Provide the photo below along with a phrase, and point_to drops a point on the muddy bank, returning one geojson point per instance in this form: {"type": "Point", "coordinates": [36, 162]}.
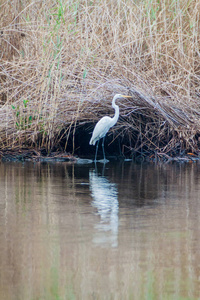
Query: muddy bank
{"type": "Point", "coordinates": [25, 155]}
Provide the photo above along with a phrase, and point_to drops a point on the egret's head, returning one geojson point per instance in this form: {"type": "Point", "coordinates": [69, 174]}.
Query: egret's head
{"type": "Point", "coordinates": [120, 96]}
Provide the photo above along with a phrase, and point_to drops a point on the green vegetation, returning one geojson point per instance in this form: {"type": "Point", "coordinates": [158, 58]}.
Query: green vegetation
{"type": "Point", "coordinates": [68, 59]}
{"type": "Point", "coordinates": [23, 121]}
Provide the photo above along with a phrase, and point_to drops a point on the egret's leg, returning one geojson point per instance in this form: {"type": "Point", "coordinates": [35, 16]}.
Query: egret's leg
{"type": "Point", "coordinates": [96, 151]}
{"type": "Point", "coordinates": [104, 157]}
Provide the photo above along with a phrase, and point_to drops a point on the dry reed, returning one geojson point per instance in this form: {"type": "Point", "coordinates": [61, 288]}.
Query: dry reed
{"type": "Point", "coordinates": [62, 61]}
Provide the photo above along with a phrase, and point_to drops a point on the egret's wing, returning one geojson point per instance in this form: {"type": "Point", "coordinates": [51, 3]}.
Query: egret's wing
{"type": "Point", "coordinates": [100, 129]}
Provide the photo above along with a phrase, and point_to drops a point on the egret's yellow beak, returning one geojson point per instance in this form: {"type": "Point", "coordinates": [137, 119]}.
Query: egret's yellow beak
{"type": "Point", "coordinates": [125, 96]}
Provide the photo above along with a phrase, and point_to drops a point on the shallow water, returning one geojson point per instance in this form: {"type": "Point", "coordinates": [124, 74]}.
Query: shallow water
{"type": "Point", "coordinates": [119, 231]}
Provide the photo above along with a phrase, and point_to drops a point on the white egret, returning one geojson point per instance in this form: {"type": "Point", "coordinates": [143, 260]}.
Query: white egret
{"type": "Point", "coordinates": [104, 125]}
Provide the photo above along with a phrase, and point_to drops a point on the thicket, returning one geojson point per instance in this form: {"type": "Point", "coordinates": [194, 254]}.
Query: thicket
{"type": "Point", "coordinates": [61, 62]}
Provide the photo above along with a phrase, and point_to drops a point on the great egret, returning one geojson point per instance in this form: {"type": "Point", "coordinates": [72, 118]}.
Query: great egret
{"type": "Point", "coordinates": [104, 125]}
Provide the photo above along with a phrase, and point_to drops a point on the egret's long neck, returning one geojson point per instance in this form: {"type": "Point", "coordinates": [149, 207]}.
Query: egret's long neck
{"type": "Point", "coordinates": [116, 116]}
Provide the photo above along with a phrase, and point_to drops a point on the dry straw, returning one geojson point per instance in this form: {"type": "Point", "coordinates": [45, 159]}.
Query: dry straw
{"type": "Point", "coordinates": [62, 61]}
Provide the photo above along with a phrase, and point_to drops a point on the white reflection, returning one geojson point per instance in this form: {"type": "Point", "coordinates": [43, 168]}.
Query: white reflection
{"type": "Point", "coordinates": [104, 194]}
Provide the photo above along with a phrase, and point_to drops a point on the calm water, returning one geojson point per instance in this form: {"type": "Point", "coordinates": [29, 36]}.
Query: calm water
{"type": "Point", "coordinates": [122, 231]}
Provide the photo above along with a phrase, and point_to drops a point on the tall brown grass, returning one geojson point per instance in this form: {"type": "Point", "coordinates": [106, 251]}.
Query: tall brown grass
{"type": "Point", "coordinates": [62, 61]}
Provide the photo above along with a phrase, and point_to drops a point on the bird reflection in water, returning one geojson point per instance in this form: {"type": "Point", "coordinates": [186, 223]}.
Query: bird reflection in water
{"type": "Point", "coordinates": [105, 200]}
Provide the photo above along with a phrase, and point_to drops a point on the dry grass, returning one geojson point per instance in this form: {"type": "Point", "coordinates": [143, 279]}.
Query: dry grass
{"type": "Point", "coordinates": [62, 61]}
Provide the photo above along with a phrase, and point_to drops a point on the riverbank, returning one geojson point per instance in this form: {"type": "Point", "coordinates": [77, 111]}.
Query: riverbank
{"type": "Point", "coordinates": [30, 155]}
{"type": "Point", "coordinates": [62, 62]}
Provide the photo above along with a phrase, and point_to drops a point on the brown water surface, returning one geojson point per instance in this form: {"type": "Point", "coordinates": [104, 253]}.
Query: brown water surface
{"type": "Point", "coordinates": [119, 231]}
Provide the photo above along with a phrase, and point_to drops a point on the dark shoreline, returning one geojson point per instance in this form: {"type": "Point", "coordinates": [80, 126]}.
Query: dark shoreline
{"type": "Point", "coordinates": [31, 155]}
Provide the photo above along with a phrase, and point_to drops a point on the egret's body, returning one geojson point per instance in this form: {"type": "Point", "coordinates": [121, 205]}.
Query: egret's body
{"type": "Point", "coordinates": [104, 125]}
